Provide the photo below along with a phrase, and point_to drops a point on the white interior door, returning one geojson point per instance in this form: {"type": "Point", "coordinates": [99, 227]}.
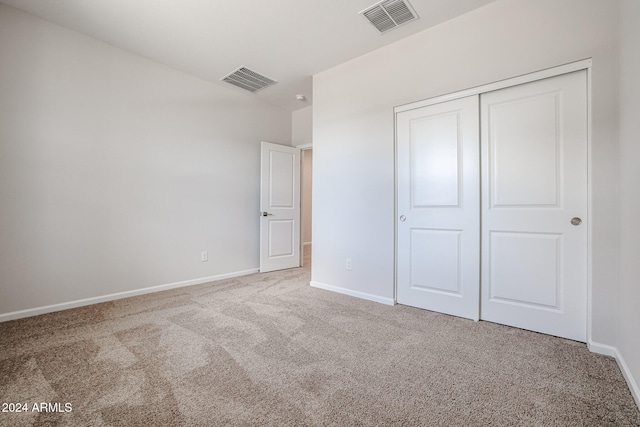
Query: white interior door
{"type": "Point", "coordinates": [534, 216]}
{"type": "Point", "coordinates": [438, 225]}
{"type": "Point", "coordinates": [280, 207]}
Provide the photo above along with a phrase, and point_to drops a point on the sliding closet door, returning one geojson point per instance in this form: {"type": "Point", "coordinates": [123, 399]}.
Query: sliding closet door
{"type": "Point", "coordinates": [534, 197]}
{"type": "Point", "coordinates": [438, 228]}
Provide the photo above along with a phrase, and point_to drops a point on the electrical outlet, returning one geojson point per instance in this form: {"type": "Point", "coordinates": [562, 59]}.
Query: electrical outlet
{"type": "Point", "coordinates": [204, 256]}
{"type": "Point", "coordinates": [348, 264]}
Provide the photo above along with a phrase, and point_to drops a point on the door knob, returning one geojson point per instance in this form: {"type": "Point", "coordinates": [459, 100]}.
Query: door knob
{"type": "Point", "coordinates": [576, 221]}
{"type": "Point", "coordinates": [266, 214]}
{"type": "Point", "coordinates": [403, 218]}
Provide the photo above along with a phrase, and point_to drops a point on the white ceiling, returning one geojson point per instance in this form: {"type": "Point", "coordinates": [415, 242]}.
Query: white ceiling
{"type": "Point", "coordinates": [286, 40]}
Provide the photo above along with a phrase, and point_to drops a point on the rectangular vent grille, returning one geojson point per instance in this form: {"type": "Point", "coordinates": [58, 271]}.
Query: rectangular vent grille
{"type": "Point", "coordinates": [248, 79]}
{"type": "Point", "coordinates": [389, 14]}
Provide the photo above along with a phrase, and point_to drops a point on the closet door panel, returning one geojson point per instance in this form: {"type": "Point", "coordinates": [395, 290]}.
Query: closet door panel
{"type": "Point", "coordinates": [438, 226]}
{"type": "Point", "coordinates": [534, 216]}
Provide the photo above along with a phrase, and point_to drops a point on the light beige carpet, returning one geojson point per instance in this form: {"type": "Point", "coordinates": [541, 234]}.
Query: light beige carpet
{"type": "Point", "coordinates": [268, 350]}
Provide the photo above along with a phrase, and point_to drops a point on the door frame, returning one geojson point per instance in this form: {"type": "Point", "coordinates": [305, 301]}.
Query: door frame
{"type": "Point", "coordinates": [584, 64]}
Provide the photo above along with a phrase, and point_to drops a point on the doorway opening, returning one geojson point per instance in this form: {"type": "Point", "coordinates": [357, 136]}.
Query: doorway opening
{"type": "Point", "coordinates": [306, 178]}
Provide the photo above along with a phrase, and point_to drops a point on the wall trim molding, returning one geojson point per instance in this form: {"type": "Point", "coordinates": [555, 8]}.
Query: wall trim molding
{"type": "Point", "coordinates": [126, 294]}
{"type": "Point", "coordinates": [352, 293]}
{"type": "Point", "coordinates": [609, 350]}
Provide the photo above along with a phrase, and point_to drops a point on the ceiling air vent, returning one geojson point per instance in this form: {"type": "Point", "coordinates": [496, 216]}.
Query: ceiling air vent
{"type": "Point", "coordinates": [248, 79]}
{"type": "Point", "coordinates": [389, 14]}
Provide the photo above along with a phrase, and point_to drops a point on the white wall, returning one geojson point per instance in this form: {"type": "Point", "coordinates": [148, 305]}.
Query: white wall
{"type": "Point", "coordinates": [301, 126]}
{"type": "Point", "coordinates": [629, 298]}
{"type": "Point", "coordinates": [115, 172]}
{"type": "Point", "coordinates": [354, 136]}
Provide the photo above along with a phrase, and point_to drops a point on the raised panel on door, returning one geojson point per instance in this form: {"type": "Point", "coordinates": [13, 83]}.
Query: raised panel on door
{"type": "Point", "coordinates": [442, 273]}
{"type": "Point", "coordinates": [280, 207]}
{"type": "Point", "coordinates": [282, 176]}
{"type": "Point", "coordinates": [534, 180]}
{"type": "Point", "coordinates": [438, 208]}
{"type": "Point", "coordinates": [525, 151]}
{"type": "Point", "coordinates": [281, 238]}
{"type": "Point", "coordinates": [525, 269]}
{"type": "Point", "coordinates": [434, 149]}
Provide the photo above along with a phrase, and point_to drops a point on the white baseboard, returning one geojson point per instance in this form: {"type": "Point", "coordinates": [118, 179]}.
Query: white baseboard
{"type": "Point", "coordinates": [633, 385]}
{"type": "Point", "coordinates": [350, 292]}
{"type": "Point", "coordinates": [605, 349]}
{"type": "Point", "coordinates": [111, 297]}
{"type": "Point", "coordinates": [626, 373]}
